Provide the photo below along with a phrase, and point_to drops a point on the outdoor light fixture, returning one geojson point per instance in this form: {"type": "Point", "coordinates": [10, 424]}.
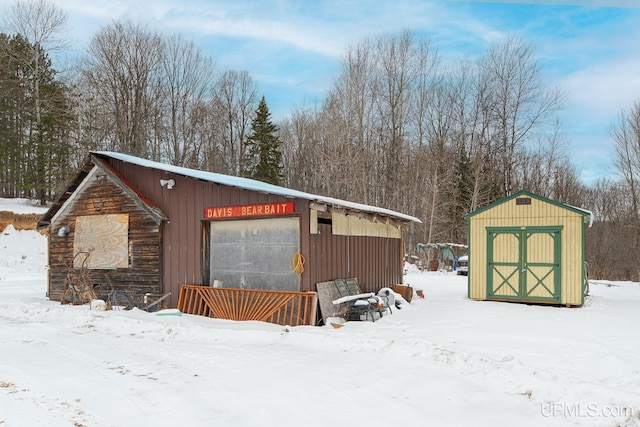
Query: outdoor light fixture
{"type": "Point", "coordinates": [169, 183]}
{"type": "Point", "coordinates": [64, 230]}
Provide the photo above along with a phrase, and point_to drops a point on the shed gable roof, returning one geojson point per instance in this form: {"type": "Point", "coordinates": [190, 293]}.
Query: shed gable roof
{"type": "Point", "coordinates": [83, 174]}
{"type": "Point", "coordinates": [523, 193]}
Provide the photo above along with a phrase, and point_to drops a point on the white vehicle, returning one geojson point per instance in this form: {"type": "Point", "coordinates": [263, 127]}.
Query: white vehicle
{"type": "Point", "coordinates": [463, 265]}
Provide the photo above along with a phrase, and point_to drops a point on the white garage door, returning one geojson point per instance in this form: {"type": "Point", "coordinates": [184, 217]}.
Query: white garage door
{"type": "Point", "coordinates": [255, 254]}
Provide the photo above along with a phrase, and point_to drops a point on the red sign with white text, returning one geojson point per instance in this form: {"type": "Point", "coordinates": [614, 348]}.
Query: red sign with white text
{"type": "Point", "coordinates": [265, 209]}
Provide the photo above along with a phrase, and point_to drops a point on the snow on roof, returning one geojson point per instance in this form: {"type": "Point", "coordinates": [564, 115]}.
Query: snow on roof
{"type": "Point", "coordinates": [587, 213]}
{"type": "Point", "coordinates": [253, 185]}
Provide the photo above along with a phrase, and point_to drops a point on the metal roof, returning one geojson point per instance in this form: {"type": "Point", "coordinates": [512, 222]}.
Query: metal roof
{"type": "Point", "coordinates": [254, 185]}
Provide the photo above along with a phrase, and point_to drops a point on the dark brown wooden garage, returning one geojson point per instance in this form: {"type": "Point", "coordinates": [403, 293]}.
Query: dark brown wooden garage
{"type": "Point", "coordinates": [140, 226]}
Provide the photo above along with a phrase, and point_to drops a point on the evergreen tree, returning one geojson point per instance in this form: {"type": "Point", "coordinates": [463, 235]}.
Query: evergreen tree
{"type": "Point", "coordinates": [459, 195]}
{"type": "Point", "coordinates": [33, 128]}
{"type": "Point", "coordinates": [264, 161]}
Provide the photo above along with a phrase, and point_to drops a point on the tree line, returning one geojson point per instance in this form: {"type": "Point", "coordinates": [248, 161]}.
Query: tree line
{"type": "Point", "coordinates": [399, 128]}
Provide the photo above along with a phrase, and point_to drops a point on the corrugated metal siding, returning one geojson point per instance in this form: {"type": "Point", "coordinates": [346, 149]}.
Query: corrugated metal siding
{"type": "Point", "coordinates": [375, 261]}
{"type": "Point", "coordinates": [184, 206]}
{"type": "Point", "coordinates": [538, 213]}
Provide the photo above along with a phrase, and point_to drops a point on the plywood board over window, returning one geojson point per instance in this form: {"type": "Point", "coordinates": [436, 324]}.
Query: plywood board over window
{"type": "Point", "coordinates": [105, 238]}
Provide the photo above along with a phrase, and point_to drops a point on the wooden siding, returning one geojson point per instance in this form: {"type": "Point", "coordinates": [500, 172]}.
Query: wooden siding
{"type": "Point", "coordinates": [99, 195]}
{"type": "Point", "coordinates": [538, 213]}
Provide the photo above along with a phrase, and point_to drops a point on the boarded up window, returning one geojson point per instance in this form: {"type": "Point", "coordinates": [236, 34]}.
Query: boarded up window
{"type": "Point", "coordinates": [106, 240]}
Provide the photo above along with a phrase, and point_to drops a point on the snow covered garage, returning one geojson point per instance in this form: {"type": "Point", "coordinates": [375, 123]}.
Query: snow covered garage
{"type": "Point", "coordinates": [152, 227]}
{"type": "Point", "coordinates": [527, 248]}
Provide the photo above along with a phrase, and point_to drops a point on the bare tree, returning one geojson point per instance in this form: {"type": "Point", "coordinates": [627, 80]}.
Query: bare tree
{"type": "Point", "coordinates": [520, 102]}
{"type": "Point", "coordinates": [475, 129]}
{"type": "Point", "coordinates": [233, 104]}
{"type": "Point", "coordinates": [44, 26]}
{"type": "Point", "coordinates": [295, 133]}
{"type": "Point", "coordinates": [351, 108]}
{"type": "Point", "coordinates": [418, 179]}
{"type": "Point", "coordinates": [342, 131]}
{"type": "Point", "coordinates": [610, 247]}
{"type": "Point", "coordinates": [123, 74]}
{"type": "Point", "coordinates": [188, 82]}
{"type": "Point", "coordinates": [398, 69]}
{"type": "Point", "coordinates": [397, 131]}
{"type": "Point", "coordinates": [626, 136]}
{"type": "Point", "coordinates": [439, 134]}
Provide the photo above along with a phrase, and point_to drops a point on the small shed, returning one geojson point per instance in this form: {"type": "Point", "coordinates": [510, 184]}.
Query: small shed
{"type": "Point", "coordinates": [130, 224]}
{"type": "Point", "coordinates": [441, 256]}
{"type": "Point", "coordinates": [527, 248]}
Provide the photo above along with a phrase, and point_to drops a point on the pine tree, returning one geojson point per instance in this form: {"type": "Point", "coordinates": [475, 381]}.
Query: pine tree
{"type": "Point", "coordinates": [33, 135]}
{"type": "Point", "coordinates": [459, 196]}
{"type": "Point", "coordinates": [264, 161]}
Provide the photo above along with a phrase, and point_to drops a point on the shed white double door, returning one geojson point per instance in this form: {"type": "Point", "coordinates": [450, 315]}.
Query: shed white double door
{"type": "Point", "coordinates": [523, 263]}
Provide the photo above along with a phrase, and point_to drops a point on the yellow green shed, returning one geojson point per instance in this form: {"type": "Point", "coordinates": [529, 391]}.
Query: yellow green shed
{"type": "Point", "coordinates": [527, 248]}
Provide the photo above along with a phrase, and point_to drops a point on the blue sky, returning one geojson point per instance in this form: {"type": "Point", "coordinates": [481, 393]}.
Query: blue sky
{"type": "Point", "coordinates": [292, 48]}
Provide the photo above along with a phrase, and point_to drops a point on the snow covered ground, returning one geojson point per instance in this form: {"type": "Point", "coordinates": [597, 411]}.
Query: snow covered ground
{"type": "Point", "coordinates": [20, 206]}
{"type": "Point", "coordinates": [440, 361]}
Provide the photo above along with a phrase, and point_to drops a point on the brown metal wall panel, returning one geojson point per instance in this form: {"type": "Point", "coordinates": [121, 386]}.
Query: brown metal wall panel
{"type": "Point", "coordinates": [379, 262]}
{"type": "Point", "coordinates": [327, 260]}
{"type": "Point", "coordinates": [184, 205]}
{"type": "Point", "coordinates": [376, 261]}
{"type": "Point", "coordinates": [167, 256]}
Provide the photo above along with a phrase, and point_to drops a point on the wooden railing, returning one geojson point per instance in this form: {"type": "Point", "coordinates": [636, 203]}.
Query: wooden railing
{"type": "Point", "coordinates": [282, 308]}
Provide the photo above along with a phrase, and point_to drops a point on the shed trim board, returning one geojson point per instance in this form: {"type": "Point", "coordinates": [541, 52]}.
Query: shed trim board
{"type": "Point", "coordinates": [527, 248]}
{"type": "Point", "coordinates": [86, 178]}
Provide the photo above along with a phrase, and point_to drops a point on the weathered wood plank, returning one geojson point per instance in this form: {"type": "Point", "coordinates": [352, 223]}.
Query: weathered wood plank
{"type": "Point", "coordinates": [134, 261]}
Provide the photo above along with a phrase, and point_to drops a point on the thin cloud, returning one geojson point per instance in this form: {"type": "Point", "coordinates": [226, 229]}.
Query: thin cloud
{"type": "Point", "coordinates": [583, 3]}
{"type": "Point", "coordinates": [601, 90]}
